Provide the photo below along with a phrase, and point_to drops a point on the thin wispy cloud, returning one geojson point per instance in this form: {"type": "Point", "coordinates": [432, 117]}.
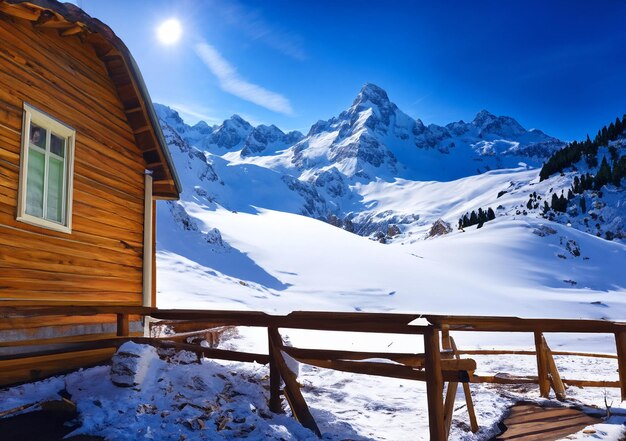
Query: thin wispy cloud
{"type": "Point", "coordinates": [230, 81]}
{"type": "Point", "coordinates": [196, 112]}
{"type": "Point", "coordinates": [254, 26]}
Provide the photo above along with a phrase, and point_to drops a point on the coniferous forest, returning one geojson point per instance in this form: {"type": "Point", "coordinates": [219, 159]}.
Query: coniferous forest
{"type": "Point", "coordinates": [588, 150]}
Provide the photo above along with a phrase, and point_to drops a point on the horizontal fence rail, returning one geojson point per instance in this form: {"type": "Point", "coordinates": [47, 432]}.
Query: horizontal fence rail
{"type": "Point", "coordinates": [439, 364]}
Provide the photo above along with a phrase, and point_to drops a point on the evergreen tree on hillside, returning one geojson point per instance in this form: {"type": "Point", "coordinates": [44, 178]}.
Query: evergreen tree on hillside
{"type": "Point", "coordinates": [473, 220]}
{"type": "Point", "coordinates": [619, 171]}
{"type": "Point", "coordinates": [575, 151]}
{"type": "Point", "coordinates": [477, 218]}
{"type": "Point", "coordinates": [604, 175]}
{"type": "Point", "coordinates": [554, 203]}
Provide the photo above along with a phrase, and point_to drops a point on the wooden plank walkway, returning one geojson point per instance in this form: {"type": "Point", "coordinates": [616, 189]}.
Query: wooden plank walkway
{"type": "Point", "coordinates": [530, 422]}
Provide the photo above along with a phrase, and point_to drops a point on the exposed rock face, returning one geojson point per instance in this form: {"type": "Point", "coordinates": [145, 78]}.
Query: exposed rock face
{"type": "Point", "coordinates": [439, 228]}
{"type": "Point", "coordinates": [392, 231]}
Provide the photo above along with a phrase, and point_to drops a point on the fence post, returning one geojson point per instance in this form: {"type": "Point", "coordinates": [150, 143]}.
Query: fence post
{"type": "Point", "coordinates": [542, 365]}
{"type": "Point", "coordinates": [275, 401]}
{"type": "Point", "coordinates": [468, 394]}
{"type": "Point", "coordinates": [434, 384]}
{"type": "Point", "coordinates": [555, 377]}
{"type": "Point", "coordinates": [122, 325]}
{"type": "Point", "coordinates": [620, 342]}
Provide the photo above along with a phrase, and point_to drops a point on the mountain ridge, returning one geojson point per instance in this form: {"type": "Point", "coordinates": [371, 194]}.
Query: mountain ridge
{"type": "Point", "coordinates": [373, 133]}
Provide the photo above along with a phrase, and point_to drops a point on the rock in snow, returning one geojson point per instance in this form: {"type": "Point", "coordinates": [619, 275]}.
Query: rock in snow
{"type": "Point", "coordinates": [132, 363]}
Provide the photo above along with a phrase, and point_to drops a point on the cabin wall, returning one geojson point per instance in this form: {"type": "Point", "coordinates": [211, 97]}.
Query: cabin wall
{"type": "Point", "coordinates": [100, 262]}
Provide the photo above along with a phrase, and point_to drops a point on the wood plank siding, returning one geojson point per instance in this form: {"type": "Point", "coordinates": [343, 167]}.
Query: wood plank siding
{"type": "Point", "coordinates": [101, 260]}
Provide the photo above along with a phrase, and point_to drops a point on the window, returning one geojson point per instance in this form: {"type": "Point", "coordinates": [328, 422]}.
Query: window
{"type": "Point", "coordinates": [45, 192]}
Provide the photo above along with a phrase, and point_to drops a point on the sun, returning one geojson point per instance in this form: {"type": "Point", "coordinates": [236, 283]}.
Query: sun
{"type": "Point", "coordinates": [170, 31]}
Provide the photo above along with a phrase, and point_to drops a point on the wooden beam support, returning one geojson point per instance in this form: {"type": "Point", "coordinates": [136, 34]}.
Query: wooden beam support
{"type": "Point", "coordinates": [513, 379]}
{"type": "Point", "coordinates": [412, 360]}
{"type": "Point", "coordinates": [385, 369]}
{"type": "Point", "coordinates": [292, 392]}
{"type": "Point", "coordinates": [133, 109]}
{"type": "Point", "coordinates": [555, 377]}
{"type": "Point", "coordinates": [434, 385]}
{"type": "Point", "coordinates": [511, 352]}
{"type": "Point", "coordinates": [275, 401]}
{"type": "Point", "coordinates": [123, 329]}
{"type": "Point", "coordinates": [69, 310]}
{"type": "Point", "coordinates": [516, 324]}
{"type": "Point", "coordinates": [620, 342]}
{"type": "Point", "coordinates": [468, 394]}
{"type": "Point", "coordinates": [320, 321]}
{"type": "Point", "coordinates": [542, 365]}
{"type": "Point", "coordinates": [19, 12]}
{"type": "Point", "coordinates": [142, 129]}
{"type": "Point", "coordinates": [71, 31]}
{"type": "Point", "coordinates": [448, 407]}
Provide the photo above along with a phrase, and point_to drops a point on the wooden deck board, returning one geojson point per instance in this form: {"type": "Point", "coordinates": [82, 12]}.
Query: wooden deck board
{"type": "Point", "coordinates": [530, 422]}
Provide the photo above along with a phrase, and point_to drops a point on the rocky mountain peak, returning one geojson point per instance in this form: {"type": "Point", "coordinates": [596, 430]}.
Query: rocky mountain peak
{"type": "Point", "coordinates": [168, 115]}
{"type": "Point", "coordinates": [371, 95]}
{"type": "Point", "coordinates": [483, 118]}
{"type": "Point", "coordinates": [237, 121]}
{"type": "Point", "coordinates": [202, 128]}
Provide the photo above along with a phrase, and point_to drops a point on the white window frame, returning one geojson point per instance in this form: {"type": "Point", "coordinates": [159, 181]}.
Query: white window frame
{"type": "Point", "coordinates": [45, 121]}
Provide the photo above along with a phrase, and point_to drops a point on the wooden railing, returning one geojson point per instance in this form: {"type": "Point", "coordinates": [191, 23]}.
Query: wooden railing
{"type": "Point", "coordinates": [440, 362]}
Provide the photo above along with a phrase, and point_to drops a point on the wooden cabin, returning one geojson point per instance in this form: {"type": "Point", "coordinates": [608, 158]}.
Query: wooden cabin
{"type": "Point", "coordinates": [82, 161]}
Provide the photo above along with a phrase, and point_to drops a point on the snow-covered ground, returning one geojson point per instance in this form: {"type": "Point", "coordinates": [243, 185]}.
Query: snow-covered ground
{"type": "Point", "coordinates": [181, 400]}
{"type": "Point", "coordinates": [279, 262]}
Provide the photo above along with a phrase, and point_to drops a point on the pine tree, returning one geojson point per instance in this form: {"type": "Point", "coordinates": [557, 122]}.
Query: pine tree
{"type": "Point", "coordinates": [554, 203]}
{"type": "Point", "coordinates": [473, 220]}
{"type": "Point", "coordinates": [490, 214]}
{"type": "Point", "coordinates": [576, 185]}
{"type": "Point", "coordinates": [562, 204]}
{"type": "Point", "coordinates": [619, 171]}
{"type": "Point", "coordinates": [583, 205]}
{"type": "Point", "coordinates": [604, 174]}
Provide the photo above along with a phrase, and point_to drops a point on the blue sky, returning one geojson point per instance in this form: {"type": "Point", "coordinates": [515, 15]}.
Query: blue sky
{"type": "Point", "coordinates": [558, 65]}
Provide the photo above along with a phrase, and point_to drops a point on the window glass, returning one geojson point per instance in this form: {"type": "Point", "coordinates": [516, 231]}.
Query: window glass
{"type": "Point", "coordinates": [38, 136]}
{"type": "Point", "coordinates": [34, 182]}
{"type": "Point", "coordinates": [54, 208]}
{"type": "Point", "coordinates": [46, 171]}
{"type": "Point", "coordinates": [57, 145]}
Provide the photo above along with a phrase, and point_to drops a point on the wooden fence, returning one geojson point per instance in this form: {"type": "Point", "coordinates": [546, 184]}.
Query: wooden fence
{"type": "Point", "coordinates": [440, 363]}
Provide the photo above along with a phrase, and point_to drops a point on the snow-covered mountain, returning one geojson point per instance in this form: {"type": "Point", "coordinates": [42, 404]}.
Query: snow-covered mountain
{"type": "Point", "coordinates": [373, 142]}
{"type": "Point", "coordinates": [353, 171]}
{"type": "Point", "coordinates": [375, 139]}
